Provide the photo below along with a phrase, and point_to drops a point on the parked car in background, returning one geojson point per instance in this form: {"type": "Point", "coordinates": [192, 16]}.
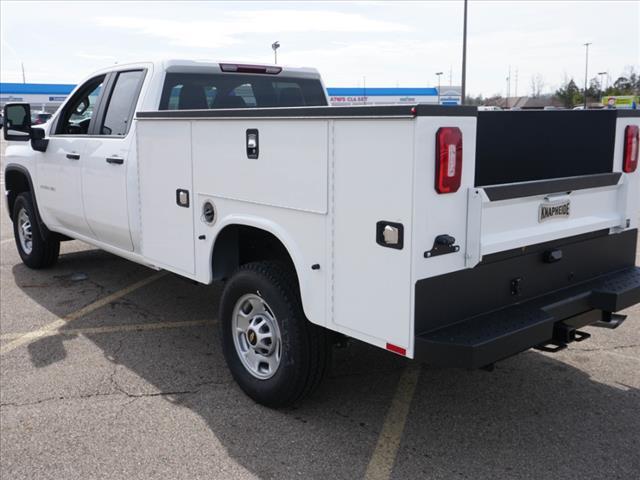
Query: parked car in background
{"type": "Point", "coordinates": [38, 118]}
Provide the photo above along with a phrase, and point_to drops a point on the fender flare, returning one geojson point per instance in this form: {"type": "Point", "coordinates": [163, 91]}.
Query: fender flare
{"type": "Point", "coordinates": [12, 167]}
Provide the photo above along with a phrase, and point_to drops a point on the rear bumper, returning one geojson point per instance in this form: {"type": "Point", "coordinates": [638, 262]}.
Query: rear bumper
{"type": "Point", "coordinates": [495, 318]}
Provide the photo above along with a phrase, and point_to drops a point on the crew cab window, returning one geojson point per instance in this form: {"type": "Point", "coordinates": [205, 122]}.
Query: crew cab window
{"type": "Point", "coordinates": [176, 93]}
{"type": "Point", "coordinates": [198, 91]}
{"type": "Point", "coordinates": [122, 103]}
{"type": "Point", "coordinates": [77, 114]}
{"type": "Point", "coordinates": [244, 92]}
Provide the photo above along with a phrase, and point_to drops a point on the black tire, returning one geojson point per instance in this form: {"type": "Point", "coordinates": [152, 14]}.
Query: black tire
{"type": "Point", "coordinates": [305, 347]}
{"type": "Point", "coordinates": [44, 251]}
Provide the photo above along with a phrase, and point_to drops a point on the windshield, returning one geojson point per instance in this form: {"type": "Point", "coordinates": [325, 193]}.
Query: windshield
{"type": "Point", "coordinates": [196, 91]}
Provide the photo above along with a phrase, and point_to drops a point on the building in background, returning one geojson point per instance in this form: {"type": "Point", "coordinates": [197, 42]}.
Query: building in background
{"type": "Point", "coordinates": [393, 96]}
{"type": "Point", "coordinates": [41, 96]}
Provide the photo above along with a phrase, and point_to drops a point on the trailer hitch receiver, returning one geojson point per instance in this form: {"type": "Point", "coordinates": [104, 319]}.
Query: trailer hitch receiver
{"type": "Point", "coordinates": [563, 335]}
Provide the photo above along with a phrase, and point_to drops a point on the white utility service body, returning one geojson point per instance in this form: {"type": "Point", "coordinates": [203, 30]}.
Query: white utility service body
{"type": "Point", "coordinates": [320, 185]}
{"type": "Point", "coordinates": [353, 196]}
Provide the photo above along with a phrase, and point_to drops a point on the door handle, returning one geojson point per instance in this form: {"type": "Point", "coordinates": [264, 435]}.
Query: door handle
{"type": "Point", "coordinates": [116, 160]}
{"type": "Point", "coordinates": [73, 156]}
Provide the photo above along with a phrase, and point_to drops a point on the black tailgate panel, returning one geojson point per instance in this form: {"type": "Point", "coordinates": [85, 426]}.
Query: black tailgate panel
{"type": "Point", "coordinates": [520, 146]}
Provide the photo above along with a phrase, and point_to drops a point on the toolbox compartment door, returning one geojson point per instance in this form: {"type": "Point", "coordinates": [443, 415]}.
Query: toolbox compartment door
{"type": "Point", "coordinates": [371, 189]}
{"type": "Point", "coordinates": [165, 172]}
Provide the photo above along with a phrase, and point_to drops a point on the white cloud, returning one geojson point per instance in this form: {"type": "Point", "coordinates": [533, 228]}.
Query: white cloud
{"type": "Point", "coordinates": [93, 56]}
{"type": "Point", "coordinates": [382, 62]}
{"type": "Point", "coordinates": [388, 42]}
{"type": "Point", "coordinates": [230, 29]}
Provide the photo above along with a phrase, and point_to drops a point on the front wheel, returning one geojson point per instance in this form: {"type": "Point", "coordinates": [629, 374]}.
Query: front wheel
{"type": "Point", "coordinates": [274, 353]}
{"type": "Point", "coordinates": [36, 252]}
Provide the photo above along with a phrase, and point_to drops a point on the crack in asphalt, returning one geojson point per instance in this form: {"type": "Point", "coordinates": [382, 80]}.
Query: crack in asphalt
{"type": "Point", "coordinates": [604, 349]}
{"type": "Point", "coordinates": [120, 392]}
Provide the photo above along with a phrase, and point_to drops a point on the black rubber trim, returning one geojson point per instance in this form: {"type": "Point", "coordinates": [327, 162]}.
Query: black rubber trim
{"type": "Point", "coordinates": [358, 111]}
{"type": "Point", "coordinates": [556, 185]}
{"type": "Point", "coordinates": [44, 231]}
{"type": "Point", "coordinates": [628, 113]}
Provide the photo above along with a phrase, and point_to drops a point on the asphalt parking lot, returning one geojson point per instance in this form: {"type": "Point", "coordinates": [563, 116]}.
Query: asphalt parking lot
{"type": "Point", "coordinates": [111, 370]}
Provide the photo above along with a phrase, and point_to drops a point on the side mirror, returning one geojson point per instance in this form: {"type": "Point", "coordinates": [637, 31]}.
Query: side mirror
{"type": "Point", "coordinates": [17, 122]}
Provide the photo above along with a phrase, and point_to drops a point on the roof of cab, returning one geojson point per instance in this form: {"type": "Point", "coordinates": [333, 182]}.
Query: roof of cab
{"type": "Point", "coordinates": [213, 66]}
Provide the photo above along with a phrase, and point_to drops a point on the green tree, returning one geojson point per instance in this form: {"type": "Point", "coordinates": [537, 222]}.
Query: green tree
{"type": "Point", "coordinates": [626, 84]}
{"type": "Point", "coordinates": [594, 91]}
{"type": "Point", "coordinates": [479, 100]}
{"type": "Point", "coordinates": [569, 94]}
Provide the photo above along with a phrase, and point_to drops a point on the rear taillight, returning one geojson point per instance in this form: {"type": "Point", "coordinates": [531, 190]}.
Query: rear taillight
{"type": "Point", "coordinates": [631, 140]}
{"type": "Point", "coordinates": [448, 159]}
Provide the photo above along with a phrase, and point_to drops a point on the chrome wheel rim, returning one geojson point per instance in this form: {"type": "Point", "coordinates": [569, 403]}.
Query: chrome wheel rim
{"type": "Point", "coordinates": [25, 233]}
{"type": "Point", "coordinates": [256, 336]}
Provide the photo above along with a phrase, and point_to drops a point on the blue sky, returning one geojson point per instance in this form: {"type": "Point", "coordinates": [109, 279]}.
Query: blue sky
{"type": "Point", "coordinates": [383, 43]}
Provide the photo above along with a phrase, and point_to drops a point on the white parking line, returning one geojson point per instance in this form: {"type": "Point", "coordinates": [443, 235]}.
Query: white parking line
{"type": "Point", "coordinates": [384, 456]}
{"type": "Point", "coordinates": [140, 327]}
{"type": "Point", "coordinates": [6, 240]}
{"type": "Point", "coordinates": [26, 338]}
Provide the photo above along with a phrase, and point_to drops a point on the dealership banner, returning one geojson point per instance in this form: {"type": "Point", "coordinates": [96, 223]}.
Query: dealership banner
{"type": "Point", "coordinates": [621, 101]}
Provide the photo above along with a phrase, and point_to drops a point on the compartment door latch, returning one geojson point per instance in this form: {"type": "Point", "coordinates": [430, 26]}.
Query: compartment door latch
{"type": "Point", "coordinates": [390, 234]}
{"type": "Point", "coordinates": [442, 245]}
{"type": "Point", "coordinates": [182, 198]}
{"type": "Point", "coordinates": [253, 145]}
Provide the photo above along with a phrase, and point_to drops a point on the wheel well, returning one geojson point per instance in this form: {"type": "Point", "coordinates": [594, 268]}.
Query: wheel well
{"type": "Point", "coordinates": [16, 182]}
{"type": "Point", "coordinates": [240, 244]}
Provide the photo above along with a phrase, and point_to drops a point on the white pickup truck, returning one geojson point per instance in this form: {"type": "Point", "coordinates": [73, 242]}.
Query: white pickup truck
{"type": "Point", "coordinates": [451, 236]}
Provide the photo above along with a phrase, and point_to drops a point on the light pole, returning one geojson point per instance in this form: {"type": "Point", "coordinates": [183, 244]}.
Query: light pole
{"type": "Point", "coordinates": [464, 54]}
{"type": "Point", "coordinates": [586, 70]}
{"type": "Point", "coordinates": [602, 89]}
{"type": "Point", "coordinates": [438, 74]}
{"type": "Point", "coordinates": [506, 97]}
{"type": "Point", "coordinates": [508, 88]}
{"type": "Point", "coordinates": [275, 46]}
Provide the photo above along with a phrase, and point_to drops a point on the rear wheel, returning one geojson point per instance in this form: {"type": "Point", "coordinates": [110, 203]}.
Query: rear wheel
{"type": "Point", "coordinates": [274, 353]}
{"type": "Point", "coordinates": [36, 252]}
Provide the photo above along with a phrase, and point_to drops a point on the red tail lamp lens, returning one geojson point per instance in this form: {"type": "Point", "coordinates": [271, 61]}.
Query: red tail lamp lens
{"type": "Point", "coordinates": [448, 159]}
{"type": "Point", "coordinates": [630, 149]}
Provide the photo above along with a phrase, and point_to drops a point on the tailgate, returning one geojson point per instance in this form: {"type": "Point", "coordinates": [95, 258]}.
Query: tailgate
{"type": "Point", "coordinates": [516, 215]}
{"type": "Point", "coordinates": [570, 180]}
